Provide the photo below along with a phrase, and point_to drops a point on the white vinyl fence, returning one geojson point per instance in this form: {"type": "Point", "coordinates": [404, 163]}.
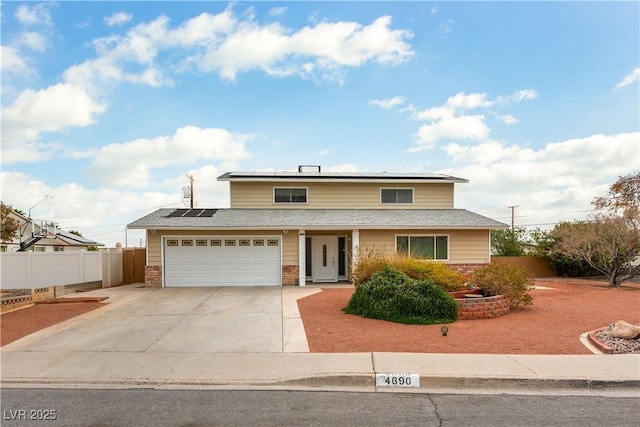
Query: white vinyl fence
{"type": "Point", "coordinates": [33, 270]}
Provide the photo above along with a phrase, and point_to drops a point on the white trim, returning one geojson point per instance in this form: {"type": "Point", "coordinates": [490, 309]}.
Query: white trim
{"type": "Point", "coordinates": [355, 247]}
{"type": "Point", "coordinates": [413, 196]}
{"type": "Point", "coordinates": [302, 258]}
{"type": "Point", "coordinates": [448, 236]}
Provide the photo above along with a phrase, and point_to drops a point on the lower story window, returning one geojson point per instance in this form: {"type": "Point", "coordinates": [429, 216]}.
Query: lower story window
{"type": "Point", "coordinates": [423, 247]}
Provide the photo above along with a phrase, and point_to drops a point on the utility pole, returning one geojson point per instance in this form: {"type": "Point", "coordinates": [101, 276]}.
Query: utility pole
{"type": "Point", "coordinates": [513, 208]}
{"type": "Point", "coordinates": [190, 189]}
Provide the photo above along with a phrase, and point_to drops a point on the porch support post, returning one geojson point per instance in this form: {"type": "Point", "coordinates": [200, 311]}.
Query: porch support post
{"type": "Point", "coordinates": [302, 258]}
{"type": "Point", "coordinates": [355, 248]}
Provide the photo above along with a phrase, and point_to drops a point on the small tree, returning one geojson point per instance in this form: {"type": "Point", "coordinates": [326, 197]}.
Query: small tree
{"type": "Point", "coordinates": [9, 227]}
{"type": "Point", "coordinates": [610, 241]}
{"type": "Point", "coordinates": [509, 242]}
{"type": "Point", "coordinates": [76, 232]}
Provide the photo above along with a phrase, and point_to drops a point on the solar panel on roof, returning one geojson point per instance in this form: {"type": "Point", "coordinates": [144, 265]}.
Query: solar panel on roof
{"type": "Point", "coordinates": [177, 213]}
{"type": "Point", "coordinates": [192, 213]}
{"type": "Point", "coordinates": [207, 213]}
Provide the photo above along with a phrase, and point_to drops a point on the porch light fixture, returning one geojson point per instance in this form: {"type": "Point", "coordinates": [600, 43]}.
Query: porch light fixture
{"type": "Point", "coordinates": [444, 330]}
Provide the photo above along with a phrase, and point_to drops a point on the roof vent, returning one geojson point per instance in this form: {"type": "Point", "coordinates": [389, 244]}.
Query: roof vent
{"type": "Point", "coordinates": [309, 169]}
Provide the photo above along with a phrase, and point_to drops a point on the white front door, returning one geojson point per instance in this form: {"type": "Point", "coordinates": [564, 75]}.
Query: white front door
{"type": "Point", "coordinates": [325, 258]}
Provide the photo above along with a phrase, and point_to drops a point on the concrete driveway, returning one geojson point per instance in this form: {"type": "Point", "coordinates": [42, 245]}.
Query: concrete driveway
{"type": "Point", "coordinates": [187, 320]}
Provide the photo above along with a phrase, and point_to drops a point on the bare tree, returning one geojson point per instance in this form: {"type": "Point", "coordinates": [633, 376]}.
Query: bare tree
{"type": "Point", "coordinates": [608, 243]}
{"type": "Point", "coordinates": [610, 240]}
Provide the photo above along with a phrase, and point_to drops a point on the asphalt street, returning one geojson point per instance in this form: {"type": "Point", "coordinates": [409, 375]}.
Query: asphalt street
{"type": "Point", "coordinates": [153, 407]}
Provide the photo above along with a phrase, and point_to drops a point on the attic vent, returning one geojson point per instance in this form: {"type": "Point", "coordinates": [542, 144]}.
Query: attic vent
{"type": "Point", "coordinates": [309, 169]}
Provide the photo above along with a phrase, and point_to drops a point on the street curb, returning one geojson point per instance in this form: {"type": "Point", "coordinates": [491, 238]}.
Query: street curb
{"type": "Point", "coordinates": [345, 382]}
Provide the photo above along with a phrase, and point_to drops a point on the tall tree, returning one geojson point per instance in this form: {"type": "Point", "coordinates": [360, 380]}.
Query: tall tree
{"type": "Point", "coordinates": [10, 225]}
{"type": "Point", "coordinates": [609, 241]}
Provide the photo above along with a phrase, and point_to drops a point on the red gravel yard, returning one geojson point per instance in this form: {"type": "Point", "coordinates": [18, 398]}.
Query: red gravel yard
{"type": "Point", "coordinates": [552, 325]}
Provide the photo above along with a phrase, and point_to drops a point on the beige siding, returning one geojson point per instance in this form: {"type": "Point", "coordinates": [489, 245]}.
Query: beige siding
{"type": "Point", "coordinates": [290, 248]}
{"type": "Point", "coordinates": [154, 241]}
{"type": "Point", "coordinates": [465, 246]}
{"type": "Point", "coordinates": [331, 195]}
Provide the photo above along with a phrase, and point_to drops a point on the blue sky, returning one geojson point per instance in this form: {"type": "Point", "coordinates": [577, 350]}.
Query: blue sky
{"type": "Point", "coordinates": [106, 106]}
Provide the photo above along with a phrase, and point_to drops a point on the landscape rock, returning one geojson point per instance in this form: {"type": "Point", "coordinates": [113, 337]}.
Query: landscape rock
{"type": "Point", "coordinates": [622, 329]}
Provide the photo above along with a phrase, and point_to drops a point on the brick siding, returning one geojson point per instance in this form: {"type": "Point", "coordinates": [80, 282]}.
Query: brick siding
{"type": "Point", "coordinates": [290, 275]}
{"type": "Point", "coordinates": [153, 276]}
{"type": "Point", "coordinates": [467, 269]}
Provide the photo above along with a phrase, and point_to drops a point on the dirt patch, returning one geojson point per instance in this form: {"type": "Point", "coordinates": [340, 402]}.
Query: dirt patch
{"type": "Point", "coordinates": [23, 322]}
{"type": "Point", "coordinates": [552, 325]}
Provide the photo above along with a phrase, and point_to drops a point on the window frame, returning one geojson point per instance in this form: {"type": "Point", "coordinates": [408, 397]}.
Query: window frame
{"type": "Point", "coordinates": [291, 202]}
{"type": "Point", "coordinates": [396, 189]}
{"type": "Point", "coordinates": [435, 245]}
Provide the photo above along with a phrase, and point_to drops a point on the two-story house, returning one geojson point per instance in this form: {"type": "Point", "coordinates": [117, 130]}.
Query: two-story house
{"type": "Point", "coordinates": [289, 228]}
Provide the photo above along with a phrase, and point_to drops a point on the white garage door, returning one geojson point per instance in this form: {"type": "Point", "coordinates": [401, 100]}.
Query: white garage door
{"type": "Point", "coordinates": [222, 261]}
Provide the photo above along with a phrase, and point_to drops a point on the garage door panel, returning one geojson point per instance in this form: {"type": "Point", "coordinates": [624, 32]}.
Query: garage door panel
{"type": "Point", "coordinates": [222, 261]}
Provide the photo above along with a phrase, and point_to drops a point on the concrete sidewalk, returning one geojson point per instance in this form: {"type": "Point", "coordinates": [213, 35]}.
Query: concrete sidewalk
{"type": "Point", "coordinates": [146, 344]}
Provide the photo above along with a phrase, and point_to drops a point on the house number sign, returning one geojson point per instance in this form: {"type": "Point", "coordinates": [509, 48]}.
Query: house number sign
{"type": "Point", "coordinates": [398, 380]}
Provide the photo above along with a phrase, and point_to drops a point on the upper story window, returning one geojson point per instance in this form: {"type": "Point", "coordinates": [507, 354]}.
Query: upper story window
{"type": "Point", "coordinates": [396, 195]}
{"type": "Point", "coordinates": [290, 195]}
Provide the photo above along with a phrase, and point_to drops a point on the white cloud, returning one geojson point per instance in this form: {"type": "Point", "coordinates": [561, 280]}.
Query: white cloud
{"type": "Point", "coordinates": [11, 61]}
{"type": "Point", "coordinates": [323, 152]}
{"type": "Point", "coordinates": [465, 127]}
{"type": "Point", "coordinates": [32, 40]}
{"type": "Point", "coordinates": [328, 46]}
{"type": "Point", "coordinates": [38, 14]}
{"type": "Point", "coordinates": [118, 18]}
{"type": "Point", "coordinates": [630, 78]}
{"type": "Point", "coordinates": [277, 11]}
{"type": "Point", "coordinates": [557, 181]}
{"type": "Point", "coordinates": [388, 103]}
{"type": "Point", "coordinates": [450, 121]}
{"type": "Point", "coordinates": [517, 96]}
{"type": "Point", "coordinates": [100, 214]}
{"type": "Point", "coordinates": [226, 44]}
{"type": "Point", "coordinates": [507, 119]}
{"type": "Point", "coordinates": [470, 101]}
{"type": "Point", "coordinates": [131, 163]}
{"type": "Point", "coordinates": [445, 27]}
{"type": "Point", "coordinates": [48, 110]}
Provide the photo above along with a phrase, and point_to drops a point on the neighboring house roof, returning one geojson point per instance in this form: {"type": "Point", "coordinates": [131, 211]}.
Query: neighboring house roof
{"type": "Point", "coordinates": [285, 219]}
{"type": "Point", "coordinates": [63, 238]}
{"type": "Point", "coordinates": [75, 240]}
{"type": "Point", "coordinates": [340, 176]}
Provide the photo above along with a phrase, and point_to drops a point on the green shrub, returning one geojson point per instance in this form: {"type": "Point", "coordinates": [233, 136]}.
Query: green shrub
{"type": "Point", "coordinates": [439, 273]}
{"type": "Point", "coordinates": [392, 295]}
{"type": "Point", "coordinates": [512, 281]}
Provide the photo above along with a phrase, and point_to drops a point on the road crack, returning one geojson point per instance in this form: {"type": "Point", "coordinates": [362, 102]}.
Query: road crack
{"type": "Point", "coordinates": [435, 410]}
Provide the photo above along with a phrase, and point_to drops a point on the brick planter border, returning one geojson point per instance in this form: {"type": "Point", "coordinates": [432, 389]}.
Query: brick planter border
{"type": "Point", "coordinates": [482, 308]}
